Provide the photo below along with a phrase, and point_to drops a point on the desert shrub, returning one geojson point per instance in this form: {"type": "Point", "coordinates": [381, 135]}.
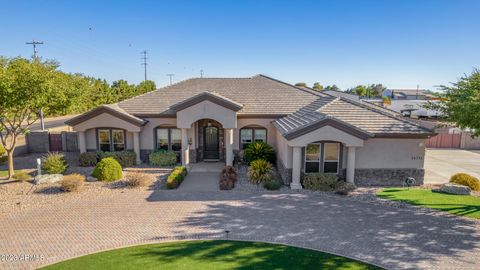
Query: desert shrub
{"type": "Point", "coordinates": [321, 181]}
{"type": "Point", "coordinates": [22, 176]}
{"type": "Point", "coordinates": [105, 154]}
{"type": "Point", "coordinates": [466, 180]}
{"type": "Point", "coordinates": [126, 158]}
{"type": "Point", "coordinates": [260, 171]}
{"type": "Point", "coordinates": [163, 158]}
{"type": "Point", "coordinates": [54, 163]}
{"type": "Point", "coordinates": [228, 178]}
{"type": "Point", "coordinates": [108, 169]}
{"type": "Point", "coordinates": [137, 179]}
{"type": "Point", "coordinates": [272, 184]}
{"type": "Point", "coordinates": [343, 188]}
{"type": "Point", "coordinates": [259, 150]}
{"type": "Point", "coordinates": [72, 182]}
{"type": "Point", "coordinates": [87, 159]}
{"type": "Point", "coordinates": [176, 177]}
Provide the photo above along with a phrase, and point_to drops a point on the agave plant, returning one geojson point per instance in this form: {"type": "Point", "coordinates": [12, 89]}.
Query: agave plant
{"type": "Point", "coordinates": [259, 150]}
{"type": "Point", "coordinates": [260, 171]}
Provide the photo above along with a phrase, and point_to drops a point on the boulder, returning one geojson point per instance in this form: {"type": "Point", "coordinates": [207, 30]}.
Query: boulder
{"type": "Point", "coordinates": [48, 178]}
{"type": "Point", "coordinates": [92, 179]}
{"type": "Point", "coordinates": [456, 189]}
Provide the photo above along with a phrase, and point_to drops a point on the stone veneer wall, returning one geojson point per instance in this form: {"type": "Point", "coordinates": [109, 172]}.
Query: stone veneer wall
{"type": "Point", "coordinates": [387, 177]}
{"type": "Point", "coordinates": [285, 174]}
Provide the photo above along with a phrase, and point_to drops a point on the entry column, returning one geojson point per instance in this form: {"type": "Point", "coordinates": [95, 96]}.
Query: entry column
{"type": "Point", "coordinates": [229, 146]}
{"type": "Point", "coordinates": [296, 168]}
{"type": "Point", "coordinates": [185, 147]}
{"type": "Point", "coordinates": [351, 164]}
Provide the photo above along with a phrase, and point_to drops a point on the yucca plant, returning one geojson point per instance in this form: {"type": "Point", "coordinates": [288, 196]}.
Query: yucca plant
{"type": "Point", "coordinates": [260, 171]}
{"type": "Point", "coordinates": [259, 150]}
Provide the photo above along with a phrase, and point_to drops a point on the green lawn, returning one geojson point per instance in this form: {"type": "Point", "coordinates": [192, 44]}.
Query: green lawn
{"type": "Point", "coordinates": [211, 255]}
{"type": "Point", "coordinates": [461, 205]}
{"type": "Point", "coordinates": [4, 173]}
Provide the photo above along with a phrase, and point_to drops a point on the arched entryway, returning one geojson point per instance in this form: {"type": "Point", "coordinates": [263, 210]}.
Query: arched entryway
{"type": "Point", "coordinates": [210, 140]}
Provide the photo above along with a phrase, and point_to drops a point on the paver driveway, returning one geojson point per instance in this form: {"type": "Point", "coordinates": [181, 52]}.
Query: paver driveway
{"type": "Point", "coordinates": [390, 237]}
{"type": "Point", "coordinates": [441, 164]}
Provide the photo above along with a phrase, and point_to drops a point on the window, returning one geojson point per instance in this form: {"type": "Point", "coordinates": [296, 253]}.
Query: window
{"type": "Point", "coordinates": [322, 157]}
{"type": "Point", "coordinates": [249, 135]}
{"type": "Point", "coordinates": [169, 139]}
{"type": "Point", "coordinates": [110, 140]}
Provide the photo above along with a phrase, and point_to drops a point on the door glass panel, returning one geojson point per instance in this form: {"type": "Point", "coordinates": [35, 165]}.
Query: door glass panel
{"type": "Point", "coordinates": [176, 136]}
{"type": "Point", "coordinates": [162, 138]}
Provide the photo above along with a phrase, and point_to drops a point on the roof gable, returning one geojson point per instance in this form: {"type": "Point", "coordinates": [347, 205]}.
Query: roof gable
{"type": "Point", "coordinates": [109, 109]}
{"type": "Point", "coordinates": [207, 96]}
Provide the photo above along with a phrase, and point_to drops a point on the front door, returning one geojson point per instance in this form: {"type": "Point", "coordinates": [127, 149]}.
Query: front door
{"type": "Point", "coordinates": [211, 143]}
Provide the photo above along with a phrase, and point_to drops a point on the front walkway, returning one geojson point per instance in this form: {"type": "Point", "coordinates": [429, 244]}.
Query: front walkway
{"type": "Point", "coordinates": [202, 176]}
{"type": "Point", "coordinates": [390, 237]}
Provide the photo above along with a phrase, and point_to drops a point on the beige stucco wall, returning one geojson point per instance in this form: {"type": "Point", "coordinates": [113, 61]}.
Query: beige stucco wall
{"type": "Point", "coordinates": [206, 110]}
{"type": "Point", "coordinates": [284, 152]}
{"type": "Point", "coordinates": [105, 120]}
{"type": "Point", "coordinates": [391, 153]}
{"type": "Point", "coordinates": [91, 139]}
{"type": "Point", "coordinates": [258, 122]}
{"type": "Point", "coordinates": [147, 134]}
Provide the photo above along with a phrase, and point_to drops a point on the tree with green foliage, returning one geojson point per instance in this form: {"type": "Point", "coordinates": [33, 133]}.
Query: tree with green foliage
{"type": "Point", "coordinates": [359, 90]}
{"type": "Point", "coordinates": [460, 102]}
{"type": "Point", "coordinates": [301, 84]}
{"type": "Point", "coordinates": [332, 88]}
{"type": "Point", "coordinates": [317, 86]}
{"type": "Point", "coordinates": [25, 87]}
{"type": "Point", "coordinates": [145, 86]}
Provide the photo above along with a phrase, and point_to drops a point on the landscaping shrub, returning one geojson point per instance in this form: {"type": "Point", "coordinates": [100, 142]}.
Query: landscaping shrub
{"type": "Point", "coordinates": [3, 159]}
{"type": "Point", "coordinates": [137, 179]}
{"type": "Point", "coordinates": [54, 163]}
{"type": "Point", "coordinates": [88, 159]}
{"type": "Point", "coordinates": [321, 181]}
{"type": "Point", "coordinates": [272, 185]}
{"type": "Point", "coordinates": [343, 188]}
{"type": "Point", "coordinates": [2, 150]}
{"type": "Point", "coordinates": [22, 176]}
{"type": "Point", "coordinates": [163, 158]}
{"type": "Point", "coordinates": [101, 155]}
{"type": "Point", "coordinates": [228, 178]}
{"type": "Point", "coordinates": [259, 150]}
{"type": "Point", "coordinates": [72, 183]}
{"type": "Point", "coordinates": [126, 158]}
{"type": "Point", "coordinates": [260, 171]}
{"type": "Point", "coordinates": [108, 169]}
{"type": "Point", "coordinates": [176, 177]}
{"type": "Point", "coordinates": [466, 180]}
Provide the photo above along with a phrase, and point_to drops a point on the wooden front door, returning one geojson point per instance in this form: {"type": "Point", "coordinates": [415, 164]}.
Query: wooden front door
{"type": "Point", "coordinates": [210, 146]}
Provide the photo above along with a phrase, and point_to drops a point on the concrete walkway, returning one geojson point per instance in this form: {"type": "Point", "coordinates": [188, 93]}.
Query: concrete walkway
{"type": "Point", "coordinates": [390, 237]}
{"type": "Point", "coordinates": [441, 164]}
{"type": "Point", "coordinates": [203, 176]}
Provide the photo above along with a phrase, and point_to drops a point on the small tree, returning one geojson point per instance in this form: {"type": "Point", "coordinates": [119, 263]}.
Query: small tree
{"type": "Point", "coordinates": [301, 84]}
{"type": "Point", "coordinates": [317, 86]}
{"type": "Point", "coordinates": [25, 87]}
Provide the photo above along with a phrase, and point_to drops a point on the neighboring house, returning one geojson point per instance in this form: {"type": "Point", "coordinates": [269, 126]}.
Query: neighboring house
{"type": "Point", "coordinates": [212, 119]}
{"type": "Point", "coordinates": [410, 102]}
{"type": "Point", "coordinates": [407, 94]}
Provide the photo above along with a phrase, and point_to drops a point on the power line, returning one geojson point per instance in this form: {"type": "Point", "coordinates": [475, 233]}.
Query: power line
{"type": "Point", "coordinates": [34, 43]}
{"type": "Point", "coordinates": [171, 76]}
{"type": "Point", "coordinates": [144, 64]}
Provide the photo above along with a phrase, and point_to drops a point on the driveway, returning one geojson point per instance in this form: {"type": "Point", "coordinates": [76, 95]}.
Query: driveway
{"type": "Point", "coordinates": [390, 237]}
{"type": "Point", "coordinates": [440, 164]}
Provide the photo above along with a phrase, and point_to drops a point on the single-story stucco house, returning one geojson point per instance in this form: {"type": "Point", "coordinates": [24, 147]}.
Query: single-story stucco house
{"type": "Point", "coordinates": [212, 119]}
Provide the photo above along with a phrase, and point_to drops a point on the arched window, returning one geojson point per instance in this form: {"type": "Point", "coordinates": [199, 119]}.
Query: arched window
{"type": "Point", "coordinates": [252, 134]}
{"type": "Point", "coordinates": [323, 157]}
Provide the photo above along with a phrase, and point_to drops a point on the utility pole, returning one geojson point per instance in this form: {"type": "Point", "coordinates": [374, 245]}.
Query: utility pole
{"type": "Point", "coordinates": [144, 64]}
{"type": "Point", "coordinates": [201, 73]}
{"type": "Point", "coordinates": [171, 76]}
{"type": "Point", "coordinates": [34, 43]}
{"type": "Point", "coordinates": [417, 91]}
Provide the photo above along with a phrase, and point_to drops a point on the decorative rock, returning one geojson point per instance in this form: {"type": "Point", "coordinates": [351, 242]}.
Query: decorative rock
{"type": "Point", "coordinates": [92, 179]}
{"type": "Point", "coordinates": [48, 178]}
{"type": "Point", "coordinates": [455, 189]}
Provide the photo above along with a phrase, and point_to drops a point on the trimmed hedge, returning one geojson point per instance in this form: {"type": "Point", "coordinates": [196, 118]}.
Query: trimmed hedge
{"type": "Point", "coordinates": [108, 169]}
{"type": "Point", "coordinates": [54, 163]}
{"type": "Point", "coordinates": [162, 158]}
{"type": "Point", "coordinates": [321, 181]}
{"type": "Point", "coordinates": [125, 158]}
{"type": "Point", "coordinates": [272, 185]}
{"type": "Point", "coordinates": [466, 180]}
{"type": "Point", "coordinates": [176, 177]}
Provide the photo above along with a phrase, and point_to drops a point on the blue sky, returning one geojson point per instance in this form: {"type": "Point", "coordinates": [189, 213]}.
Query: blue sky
{"type": "Point", "coordinates": [398, 43]}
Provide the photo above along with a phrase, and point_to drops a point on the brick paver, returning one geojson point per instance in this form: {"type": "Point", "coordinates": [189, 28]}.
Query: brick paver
{"type": "Point", "coordinates": [386, 236]}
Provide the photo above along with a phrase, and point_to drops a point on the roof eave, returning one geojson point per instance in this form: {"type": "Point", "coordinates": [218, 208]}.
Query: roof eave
{"type": "Point", "coordinates": [105, 109]}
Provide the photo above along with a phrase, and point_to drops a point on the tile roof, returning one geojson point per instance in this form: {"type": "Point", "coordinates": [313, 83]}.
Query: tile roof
{"type": "Point", "coordinates": [351, 113]}
{"type": "Point", "coordinates": [258, 95]}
